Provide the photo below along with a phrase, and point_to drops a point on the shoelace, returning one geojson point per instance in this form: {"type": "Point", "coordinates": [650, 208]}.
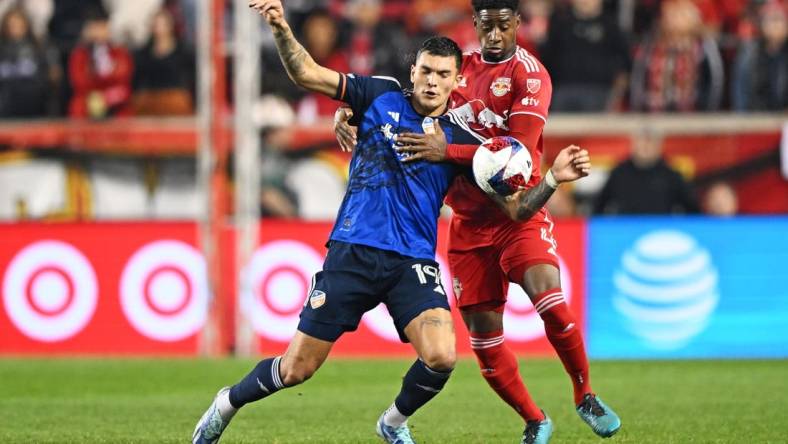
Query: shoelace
{"type": "Point", "coordinates": [531, 430]}
{"type": "Point", "coordinates": [591, 405]}
{"type": "Point", "coordinates": [403, 432]}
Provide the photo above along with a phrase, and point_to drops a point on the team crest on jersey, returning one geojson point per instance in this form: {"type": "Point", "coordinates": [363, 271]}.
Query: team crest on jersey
{"type": "Point", "coordinates": [317, 299]}
{"type": "Point", "coordinates": [463, 82]}
{"type": "Point", "coordinates": [501, 86]}
{"type": "Point", "coordinates": [533, 85]}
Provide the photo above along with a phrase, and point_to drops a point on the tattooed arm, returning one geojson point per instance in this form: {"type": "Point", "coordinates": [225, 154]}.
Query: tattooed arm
{"type": "Point", "coordinates": [300, 66]}
{"type": "Point", "coordinates": [572, 163]}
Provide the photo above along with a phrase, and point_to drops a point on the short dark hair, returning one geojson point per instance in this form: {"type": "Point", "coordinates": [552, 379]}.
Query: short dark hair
{"type": "Point", "coordinates": [95, 14]}
{"type": "Point", "coordinates": [479, 5]}
{"type": "Point", "coordinates": [442, 46]}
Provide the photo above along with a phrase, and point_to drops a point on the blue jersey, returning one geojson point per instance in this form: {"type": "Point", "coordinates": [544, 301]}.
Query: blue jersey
{"type": "Point", "coordinates": [390, 204]}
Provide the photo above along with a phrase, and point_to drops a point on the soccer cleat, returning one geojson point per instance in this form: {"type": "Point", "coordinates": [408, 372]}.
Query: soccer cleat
{"type": "Point", "coordinates": [538, 432]}
{"type": "Point", "coordinates": [602, 419]}
{"type": "Point", "coordinates": [210, 427]}
{"type": "Point", "coordinates": [394, 435]}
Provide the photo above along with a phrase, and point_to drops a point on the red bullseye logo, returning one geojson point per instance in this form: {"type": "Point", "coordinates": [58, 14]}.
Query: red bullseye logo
{"type": "Point", "coordinates": [50, 291]}
{"type": "Point", "coordinates": [164, 290]}
{"type": "Point", "coordinates": [275, 283]}
{"type": "Point", "coordinates": [521, 322]}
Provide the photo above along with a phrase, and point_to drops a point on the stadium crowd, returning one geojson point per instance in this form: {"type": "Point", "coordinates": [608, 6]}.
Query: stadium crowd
{"type": "Point", "coordinates": [109, 58]}
{"type": "Point", "coordinates": [99, 59]}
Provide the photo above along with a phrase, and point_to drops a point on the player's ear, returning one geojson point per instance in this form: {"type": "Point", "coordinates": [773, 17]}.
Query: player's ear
{"type": "Point", "coordinates": [412, 73]}
{"type": "Point", "coordinates": [456, 82]}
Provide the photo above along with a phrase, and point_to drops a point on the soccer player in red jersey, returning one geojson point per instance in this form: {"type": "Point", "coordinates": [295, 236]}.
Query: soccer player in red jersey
{"type": "Point", "coordinates": [504, 90]}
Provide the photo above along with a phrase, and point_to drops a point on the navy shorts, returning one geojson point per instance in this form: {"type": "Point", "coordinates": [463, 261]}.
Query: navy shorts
{"type": "Point", "coordinates": [356, 278]}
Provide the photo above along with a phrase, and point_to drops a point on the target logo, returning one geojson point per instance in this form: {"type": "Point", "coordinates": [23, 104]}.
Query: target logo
{"type": "Point", "coordinates": [521, 322]}
{"type": "Point", "coordinates": [164, 290]}
{"type": "Point", "coordinates": [379, 321]}
{"type": "Point", "coordinates": [50, 291]}
{"type": "Point", "coordinates": [275, 283]}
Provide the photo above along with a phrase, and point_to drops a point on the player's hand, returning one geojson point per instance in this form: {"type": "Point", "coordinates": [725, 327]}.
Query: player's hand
{"type": "Point", "coordinates": [346, 134]}
{"type": "Point", "coordinates": [272, 10]}
{"type": "Point", "coordinates": [572, 163]}
{"type": "Point", "coordinates": [429, 147]}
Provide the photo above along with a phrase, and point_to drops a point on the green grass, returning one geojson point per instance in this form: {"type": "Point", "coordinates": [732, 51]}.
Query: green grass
{"type": "Point", "coordinates": [158, 401]}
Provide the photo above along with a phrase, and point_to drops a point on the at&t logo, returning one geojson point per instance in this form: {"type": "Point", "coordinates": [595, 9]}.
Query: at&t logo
{"type": "Point", "coordinates": [666, 289]}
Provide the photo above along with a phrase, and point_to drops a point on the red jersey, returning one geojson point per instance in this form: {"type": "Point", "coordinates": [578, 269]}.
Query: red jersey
{"type": "Point", "coordinates": [488, 96]}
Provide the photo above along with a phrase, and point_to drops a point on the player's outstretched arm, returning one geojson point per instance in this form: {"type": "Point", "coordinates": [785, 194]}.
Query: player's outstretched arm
{"type": "Point", "coordinates": [571, 164]}
{"type": "Point", "coordinates": [300, 66]}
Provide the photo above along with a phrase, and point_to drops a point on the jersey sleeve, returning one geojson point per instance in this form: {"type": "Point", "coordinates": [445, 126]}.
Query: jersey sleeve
{"type": "Point", "coordinates": [532, 89]}
{"type": "Point", "coordinates": [462, 140]}
{"type": "Point", "coordinates": [360, 91]}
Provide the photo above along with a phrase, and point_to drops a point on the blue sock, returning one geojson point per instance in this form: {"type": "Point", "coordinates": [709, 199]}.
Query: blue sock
{"type": "Point", "coordinates": [262, 381]}
{"type": "Point", "coordinates": [419, 385]}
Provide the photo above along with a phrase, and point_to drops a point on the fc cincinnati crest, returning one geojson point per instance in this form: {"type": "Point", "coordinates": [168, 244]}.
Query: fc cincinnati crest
{"type": "Point", "coordinates": [501, 86]}
{"type": "Point", "coordinates": [533, 85]}
{"type": "Point", "coordinates": [317, 299]}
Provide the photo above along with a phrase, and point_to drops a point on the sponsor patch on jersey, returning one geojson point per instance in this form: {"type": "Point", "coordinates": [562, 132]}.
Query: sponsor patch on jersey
{"type": "Point", "coordinates": [317, 299]}
{"type": "Point", "coordinates": [529, 101]}
{"type": "Point", "coordinates": [533, 85]}
{"type": "Point", "coordinates": [501, 86]}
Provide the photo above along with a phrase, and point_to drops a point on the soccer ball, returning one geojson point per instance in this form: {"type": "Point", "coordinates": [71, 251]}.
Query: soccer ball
{"type": "Point", "coordinates": [502, 165]}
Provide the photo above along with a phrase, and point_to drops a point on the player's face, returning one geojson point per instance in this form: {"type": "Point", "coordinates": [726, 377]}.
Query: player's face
{"type": "Point", "coordinates": [497, 32]}
{"type": "Point", "coordinates": [434, 77]}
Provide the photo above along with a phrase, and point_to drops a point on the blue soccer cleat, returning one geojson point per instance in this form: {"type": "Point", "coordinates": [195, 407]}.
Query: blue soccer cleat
{"type": "Point", "coordinates": [603, 421]}
{"type": "Point", "coordinates": [394, 435]}
{"type": "Point", "coordinates": [210, 427]}
{"type": "Point", "coordinates": [538, 432]}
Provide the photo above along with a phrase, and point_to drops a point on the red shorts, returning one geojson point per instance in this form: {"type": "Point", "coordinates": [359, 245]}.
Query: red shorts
{"type": "Point", "coordinates": [483, 260]}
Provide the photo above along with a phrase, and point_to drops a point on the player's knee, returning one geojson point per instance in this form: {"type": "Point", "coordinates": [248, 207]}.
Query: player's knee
{"type": "Point", "coordinates": [441, 360]}
{"type": "Point", "coordinates": [296, 371]}
{"type": "Point", "coordinates": [559, 318]}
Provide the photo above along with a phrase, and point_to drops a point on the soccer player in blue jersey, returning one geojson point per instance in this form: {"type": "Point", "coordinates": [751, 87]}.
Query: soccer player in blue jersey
{"type": "Point", "coordinates": [382, 246]}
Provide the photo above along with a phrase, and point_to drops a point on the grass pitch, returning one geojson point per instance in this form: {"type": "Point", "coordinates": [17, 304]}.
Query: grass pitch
{"type": "Point", "coordinates": [159, 401]}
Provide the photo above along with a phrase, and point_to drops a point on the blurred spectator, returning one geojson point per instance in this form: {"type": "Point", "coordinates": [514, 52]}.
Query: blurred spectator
{"type": "Point", "coordinates": [100, 72]}
{"type": "Point", "coordinates": [451, 18]}
{"type": "Point", "coordinates": [130, 21]}
{"type": "Point", "coordinates": [532, 32]}
{"type": "Point", "coordinates": [376, 46]}
{"type": "Point", "coordinates": [38, 11]}
{"type": "Point", "coordinates": [677, 68]}
{"type": "Point", "coordinates": [562, 203]}
{"type": "Point", "coordinates": [321, 40]}
{"type": "Point", "coordinates": [645, 184]}
{"type": "Point", "coordinates": [164, 72]}
{"type": "Point", "coordinates": [588, 59]}
{"type": "Point", "coordinates": [720, 200]}
{"type": "Point", "coordinates": [28, 72]}
{"type": "Point", "coordinates": [760, 72]}
{"type": "Point", "coordinates": [68, 18]}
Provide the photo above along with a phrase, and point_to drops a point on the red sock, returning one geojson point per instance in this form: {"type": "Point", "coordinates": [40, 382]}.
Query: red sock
{"type": "Point", "coordinates": [499, 367]}
{"type": "Point", "coordinates": [565, 337]}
